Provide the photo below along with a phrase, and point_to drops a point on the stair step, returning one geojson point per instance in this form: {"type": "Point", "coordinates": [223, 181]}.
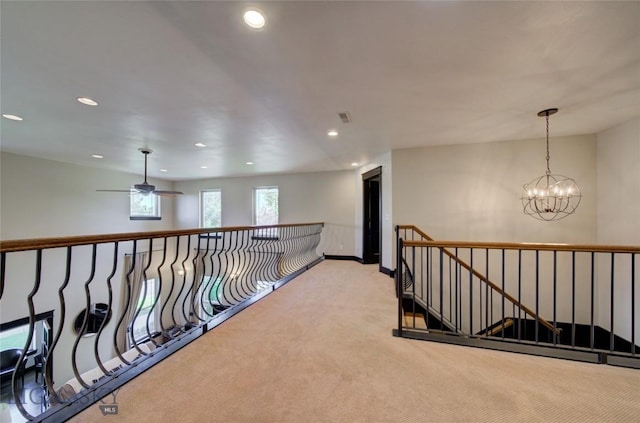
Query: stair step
{"type": "Point", "coordinates": [417, 319]}
{"type": "Point", "coordinates": [505, 324]}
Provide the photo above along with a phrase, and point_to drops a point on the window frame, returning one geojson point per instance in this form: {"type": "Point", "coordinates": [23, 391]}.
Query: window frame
{"type": "Point", "coordinates": [255, 205]}
{"type": "Point", "coordinates": [157, 212]}
{"type": "Point", "coordinates": [201, 207]}
{"type": "Point", "coordinates": [21, 331]}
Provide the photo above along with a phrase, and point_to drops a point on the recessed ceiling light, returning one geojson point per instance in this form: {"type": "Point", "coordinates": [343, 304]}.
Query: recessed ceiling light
{"type": "Point", "coordinates": [203, 167]}
{"type": "Point", "coordinates": [254, 18]}
{"type": "Point", "coordinates": [88, 101]}
{"type": "Point", "coordinates": [163, 170]}
{"type": "Point", "coordinates": [249, 163]}
{"type": "Point", "coordinates": [354, 164]}
{"type": "Point", "coordinates": [11, 117]}
{"type": "Point", "coordinates": [97, 156]}
{"type": "Point", "coordinates": [199, 144]}
{"type": "Point", "coordinates": [332, 133]}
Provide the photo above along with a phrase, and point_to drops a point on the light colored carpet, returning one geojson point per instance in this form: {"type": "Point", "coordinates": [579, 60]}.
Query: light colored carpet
{"type": "Point", "coordinates": [320, 349]}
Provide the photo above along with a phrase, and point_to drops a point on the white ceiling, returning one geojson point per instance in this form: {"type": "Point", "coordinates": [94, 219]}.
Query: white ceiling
{"type": "Point", "coordinates": [170, 74]}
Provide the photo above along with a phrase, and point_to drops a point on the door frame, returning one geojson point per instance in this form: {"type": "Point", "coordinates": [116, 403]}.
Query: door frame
{"type": "Point", "coordinates": [366, 255]}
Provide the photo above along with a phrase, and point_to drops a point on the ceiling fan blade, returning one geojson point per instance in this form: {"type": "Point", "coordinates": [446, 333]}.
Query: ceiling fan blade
{"type": "Point", "coordinates": [145, 188]}
{"type": "Point", "coordinates": [163, 193]}
{"type": "Point", "coordinates": [113, 190]}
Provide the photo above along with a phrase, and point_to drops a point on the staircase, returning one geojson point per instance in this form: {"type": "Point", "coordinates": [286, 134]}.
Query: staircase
{"type": "Point", "coordinates": [477, 292]}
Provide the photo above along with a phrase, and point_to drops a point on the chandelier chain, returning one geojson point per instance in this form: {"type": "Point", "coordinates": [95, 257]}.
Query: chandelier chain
{"type": "Point", "coordinates": [548, 156]}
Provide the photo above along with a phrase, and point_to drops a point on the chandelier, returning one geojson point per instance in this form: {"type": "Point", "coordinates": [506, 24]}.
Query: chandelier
{"type": "Point", "coordinates": [550, 197]}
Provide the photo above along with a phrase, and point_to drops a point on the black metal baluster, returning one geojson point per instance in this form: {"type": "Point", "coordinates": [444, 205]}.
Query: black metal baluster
{"type": "Point", "coordinates": [487, 304]}
{"type": "Point", "coordinates": [233, 277]}
{"type": "Point", "coordinates": [108, 312]}
{"type": "Point", "coordinates": [215, 280]}
{"type": "Point", "coordinates": [612, 310]}
{"type": "Point", "coordinates": [3, 262]}
{"type": "Point", "coordinates": [14, 378]}
{"type": "Point", "coordinates": [165, 303]}
{"type": "Point", "coordinates": [158, 294]}
{"type": "Point", "coordinates": [61, 324]}
{"type": "Point", "coordinates": [537, 328]}
{"type": "Point", "coordinates": [413, 287]}
{"type": "Point", "coordinates": [573, 299]}
{"type": "Point", "coordinates": [441, 266]}
{"type": "Point", "coordinates": [458, 323]}
{"type": "Point", "coordinates": [633, 304]}
{"type": "Point", "coordinates": [519, 295]}
{"type": "Point", "coordinates": [593, 287]}
{"type": "Point", "coordinates": [125, 309]}
{"type": "Point", "coordinates": [245, 266]}
{"type": "Point", "coordinates": [471, 332]}
{"type": "Point", "coordinates": [224, 279]}
{"type": "Point", "coordinates": [502, 294]}
{"type": "Point", "coordinates": [141, 298]}
{"type": "Point", "coordinates": [183, 285]}
{"type": "Point", "coordinates": [399, 287]}
{"type": "Point", "coordinates": [85, 320]}
{"type": "Point", "coordinates": [555, 293]}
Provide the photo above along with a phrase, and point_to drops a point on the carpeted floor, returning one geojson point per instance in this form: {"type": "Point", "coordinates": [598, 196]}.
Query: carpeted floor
{"type": "Point", "coordinates": [320, 349]}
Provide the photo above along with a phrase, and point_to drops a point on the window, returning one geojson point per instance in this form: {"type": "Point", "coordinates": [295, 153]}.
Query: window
{"type": "Point", "coordinates": [144, 206]}
{"type": "Point", "coordinates": [265, 206]}
{"type": "Point", "coordinates": [211, 208]}
{"type": "Point", "coordinates": [16, 338]}
{"type": "Point", "coordinates": [145, 305]}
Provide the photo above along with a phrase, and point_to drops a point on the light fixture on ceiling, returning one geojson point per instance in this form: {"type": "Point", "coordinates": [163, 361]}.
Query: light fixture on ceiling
{"type": "Point", "coordinates": [97, 156]}
{"type": "Point", "coordinates": [354, 164]}
{"type": "Point", "coordinates": [163, 170]}
{"type": "Point", "coordinates": [87, 101]}
{"type": "Point", "coordinates": [249, 163]}
{"type": "Point", "coordinates": [332, 133]}
{"type": "Point", "coordinates": [203, 167]}
{"type": "Point", "coordinates": [201, 145]}
{"type": "Point", "coordinates": [12, 117]}
{"type": "Point", "coordinates": [550, 197]}
{"type": "Point", "coordinates": [254, 18]}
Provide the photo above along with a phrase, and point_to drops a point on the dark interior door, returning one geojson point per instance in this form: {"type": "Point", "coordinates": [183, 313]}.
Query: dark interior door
{"type": "Point", "coordinates": [372, 205]}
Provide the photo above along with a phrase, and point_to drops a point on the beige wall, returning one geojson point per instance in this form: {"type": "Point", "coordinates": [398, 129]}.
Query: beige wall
{"type": "Point", "coordinates": [472, 192]}
{"type": "Point", "coordinates": [618, 166]}
{"type": "Point", "coordinates": [618, 212]}
{"type": "Point", "coordinates": [306, 197]}
{"type": "Point", "coordinates": [44, 198]}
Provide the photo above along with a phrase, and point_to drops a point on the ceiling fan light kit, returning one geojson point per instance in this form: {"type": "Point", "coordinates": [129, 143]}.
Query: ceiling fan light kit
{"type": "Point", "coordinates": [145, 187]}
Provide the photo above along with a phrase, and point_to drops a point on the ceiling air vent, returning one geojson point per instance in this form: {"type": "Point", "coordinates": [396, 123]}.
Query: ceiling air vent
{"type": "Point", "coordinates": [344, 117]}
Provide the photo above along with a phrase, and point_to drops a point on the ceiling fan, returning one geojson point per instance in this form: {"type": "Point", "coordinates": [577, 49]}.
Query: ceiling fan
{"type": "Point", "coordinates": [145, 187]}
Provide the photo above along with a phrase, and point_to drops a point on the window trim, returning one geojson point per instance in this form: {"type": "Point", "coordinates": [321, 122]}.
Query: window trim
{"type": "Point", "coordinates": [254, 213]}
{"type": "Point", "coordinates": [201, 205]}
{"type": "Point", "coordinates": [157, 207]}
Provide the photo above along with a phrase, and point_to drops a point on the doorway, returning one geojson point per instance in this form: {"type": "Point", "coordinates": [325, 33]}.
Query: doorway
{"type": "Point", "coordinates": [372, 222]}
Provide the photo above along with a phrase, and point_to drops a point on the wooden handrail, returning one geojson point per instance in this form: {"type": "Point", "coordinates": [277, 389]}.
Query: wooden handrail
{"type": "Point", "coordinates": [70, 241]}
{"type": "Point", "coordinates": [588, 248]}
{"type": "Point", "coordinates": [485, 279]}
